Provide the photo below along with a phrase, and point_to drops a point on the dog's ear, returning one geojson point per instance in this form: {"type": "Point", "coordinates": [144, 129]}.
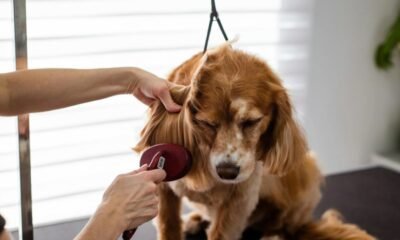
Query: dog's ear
{"type": "Point", "coordinates": [283, 145]}
{"type": "Point", "coordinates": [160, 122]}
{"type": "Point", "coordinates": [179, 93]}
{"type": "Point", "coordinates": [197, 74]}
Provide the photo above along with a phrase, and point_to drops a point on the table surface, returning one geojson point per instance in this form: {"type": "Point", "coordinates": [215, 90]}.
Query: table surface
{"type": "Point", "coordinates": [369, 198]}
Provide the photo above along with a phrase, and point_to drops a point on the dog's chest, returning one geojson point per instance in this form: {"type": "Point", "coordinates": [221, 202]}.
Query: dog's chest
{"type": "Point", "coordinates": [215, 196]}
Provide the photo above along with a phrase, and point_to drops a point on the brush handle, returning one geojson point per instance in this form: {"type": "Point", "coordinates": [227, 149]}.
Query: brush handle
{"type": "Point", "coordinates": [128, 234]}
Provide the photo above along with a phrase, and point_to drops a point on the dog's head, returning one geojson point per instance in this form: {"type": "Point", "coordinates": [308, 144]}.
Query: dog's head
{"type": "Point", "coordinates": [235, 112]}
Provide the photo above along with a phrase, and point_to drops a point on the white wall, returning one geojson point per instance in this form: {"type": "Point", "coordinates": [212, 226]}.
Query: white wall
{"type": "Point", "coordinates": [350, 104]}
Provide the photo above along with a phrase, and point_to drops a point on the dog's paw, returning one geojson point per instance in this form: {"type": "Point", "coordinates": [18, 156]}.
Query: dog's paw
{"type": "Point", "coordinates": [193, 223]}
{"type": "Point", "coordinates": [332, 216]}
{"type": "Point", "coordinates": [271, 238]}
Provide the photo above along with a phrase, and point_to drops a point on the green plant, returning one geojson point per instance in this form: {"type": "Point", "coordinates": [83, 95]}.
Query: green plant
{"type": "Point", "coordinates": [383, 54]}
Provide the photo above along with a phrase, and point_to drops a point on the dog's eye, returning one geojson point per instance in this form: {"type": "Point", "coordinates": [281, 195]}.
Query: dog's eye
{"type": "Point", "coordinates": [211, 125]}
{"type": "Point", "coordinates": [249, 123]}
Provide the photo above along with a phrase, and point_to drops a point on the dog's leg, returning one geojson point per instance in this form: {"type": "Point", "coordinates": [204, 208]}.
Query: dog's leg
{"type": "Point", "coordinates": [169, 220]}
{"type": "Point", "coordinates": [194, 223]}
{"type": "Point", "coordinates": [197, 220]}
{"type": "Point", "coordinates": [271, 238]}
{"type": "Point", "coordinates": [229, 220]}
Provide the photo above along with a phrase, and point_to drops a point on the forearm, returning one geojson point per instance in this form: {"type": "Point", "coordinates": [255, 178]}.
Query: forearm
{"type": "Point", "coordinates": [102, 225]}
{"type": "Point", "coordinates": [47, 89]}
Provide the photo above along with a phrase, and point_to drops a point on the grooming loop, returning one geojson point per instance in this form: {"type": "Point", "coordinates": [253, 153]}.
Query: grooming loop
{"type": "Point", "coordinates": [214, 16]}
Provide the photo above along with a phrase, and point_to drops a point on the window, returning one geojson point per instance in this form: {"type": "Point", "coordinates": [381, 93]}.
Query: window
{"type": "Point", "coordinates": [77, 151]}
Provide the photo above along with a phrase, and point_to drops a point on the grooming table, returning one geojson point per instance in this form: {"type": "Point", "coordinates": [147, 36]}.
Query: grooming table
{"type": "Point", "coordinates": [369, 198]}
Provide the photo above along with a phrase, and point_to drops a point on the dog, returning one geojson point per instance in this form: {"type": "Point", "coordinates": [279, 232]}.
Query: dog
{"type": "Point", "coordinates": [251, 168]}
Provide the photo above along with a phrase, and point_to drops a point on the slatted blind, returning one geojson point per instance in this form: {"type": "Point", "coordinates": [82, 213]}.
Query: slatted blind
{"type": "Point", "coordinates": [77, 151]}
{"type": "Point", "coordinates": [9, 180]}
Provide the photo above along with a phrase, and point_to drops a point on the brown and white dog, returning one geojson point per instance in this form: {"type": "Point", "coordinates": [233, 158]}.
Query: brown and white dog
{"type": "Point", "coordinates": [251, 164]}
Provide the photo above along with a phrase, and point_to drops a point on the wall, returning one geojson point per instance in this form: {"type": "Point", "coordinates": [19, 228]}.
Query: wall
{"type": "Point", "coordinates": [351, 106]}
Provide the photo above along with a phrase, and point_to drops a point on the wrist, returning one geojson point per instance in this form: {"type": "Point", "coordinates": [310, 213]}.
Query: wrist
{"type": "Point", "coordinates": [111, 216]}
{"type": "Point", "coordinates": [128, 79]}
{"type": "Point", "coordinates": [122, 80]}
{"type": "Point", "coordinates": [106, 223]}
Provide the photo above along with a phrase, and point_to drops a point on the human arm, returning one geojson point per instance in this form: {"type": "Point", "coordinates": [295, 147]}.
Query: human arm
{"type": "Point", "coordinates": [129, 201]}
{"type": "Point", "coordinates": [47, 89]}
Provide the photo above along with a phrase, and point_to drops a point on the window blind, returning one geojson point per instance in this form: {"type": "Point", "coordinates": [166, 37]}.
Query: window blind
{"type": "Point", "coordinates": [9, 178]}
{"type": "Point", "coordinates": [77, 151]}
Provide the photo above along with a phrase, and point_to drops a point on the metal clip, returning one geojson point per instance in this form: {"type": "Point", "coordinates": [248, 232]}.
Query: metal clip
{"type": "Point", "coordinates": [161, 162]}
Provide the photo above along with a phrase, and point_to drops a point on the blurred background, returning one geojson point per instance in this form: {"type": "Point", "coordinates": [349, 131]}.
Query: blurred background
{"type": "Point", "coordinates": [323, 50]}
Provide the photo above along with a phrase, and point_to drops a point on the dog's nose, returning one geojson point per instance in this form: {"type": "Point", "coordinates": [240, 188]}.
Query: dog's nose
{"type": "Point", "coordinates": [227, 170]}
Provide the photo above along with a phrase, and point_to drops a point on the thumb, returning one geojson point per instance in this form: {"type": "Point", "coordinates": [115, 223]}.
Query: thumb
{"type": "Point", "coordinates": [168, 102]}
{"type": "Point", "coordinates": [156, 175]}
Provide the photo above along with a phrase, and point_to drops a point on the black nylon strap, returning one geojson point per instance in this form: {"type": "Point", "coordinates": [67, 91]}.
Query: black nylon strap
{"type": "Point", "coordinates": [214, 14]}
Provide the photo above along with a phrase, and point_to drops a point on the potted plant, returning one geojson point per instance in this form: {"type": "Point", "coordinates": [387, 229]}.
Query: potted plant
{"type": "Point", "coordinates": [384, 55]}
{"type": "Point", "coordinates": [384, 52]}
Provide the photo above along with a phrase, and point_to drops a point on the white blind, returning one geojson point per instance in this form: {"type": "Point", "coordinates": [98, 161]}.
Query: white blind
{"type": "Point", "coordinates": [9, 181]}
{"type": "Point", "coordinates": [77, 151]}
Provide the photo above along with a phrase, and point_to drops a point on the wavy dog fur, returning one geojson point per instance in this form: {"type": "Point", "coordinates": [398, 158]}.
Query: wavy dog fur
{"type": "Point", "coordinates": [237, 113]}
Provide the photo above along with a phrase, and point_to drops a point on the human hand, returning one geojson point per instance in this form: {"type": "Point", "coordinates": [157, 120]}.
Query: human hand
{"type": "Point", "coordinates": [133, 196]}
{"type": "Point", "coordinates": [129, 201]}
{"type": "Point", "coordinates": [147, 87]}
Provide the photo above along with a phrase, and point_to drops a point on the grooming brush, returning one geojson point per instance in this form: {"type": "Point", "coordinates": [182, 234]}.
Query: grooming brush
{"type": "Point", "coordinates": [174, 159]}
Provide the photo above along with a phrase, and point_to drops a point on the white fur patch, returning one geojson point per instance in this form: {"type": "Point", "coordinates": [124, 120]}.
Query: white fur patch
{"type": "Point", "coordinates": [239, 135]}
{"type": "Point", "coordinates": [218, 158]}
{"type": "Point", "coordinates": [241, 107]}
{"type": "Point", "coordinates": [229, 148]}
{"type": "Point", "coordinates": [244, 110]}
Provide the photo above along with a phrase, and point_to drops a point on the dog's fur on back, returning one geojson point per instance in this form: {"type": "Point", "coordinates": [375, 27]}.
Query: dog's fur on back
{"type": "Point", "coordinates": [251, 164]}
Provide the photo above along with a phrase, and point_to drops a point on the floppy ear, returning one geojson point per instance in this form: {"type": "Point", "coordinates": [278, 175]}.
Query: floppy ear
{"type": "Point", "coordinates": [160, 122]}
{"type": "Point", "coordinates": [283, 143]}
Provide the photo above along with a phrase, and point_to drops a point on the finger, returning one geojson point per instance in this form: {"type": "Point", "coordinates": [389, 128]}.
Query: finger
{"type": "Point", "coordinates": [172, 85]}
{"type": "Point", "coordinates": [146, 100]}
{"type": "Point", "coordinates": [156, 175]}
{"type": "Point", "coordinates": [168, 102]}
{"type": "Point", "coordinates": [141, 169]}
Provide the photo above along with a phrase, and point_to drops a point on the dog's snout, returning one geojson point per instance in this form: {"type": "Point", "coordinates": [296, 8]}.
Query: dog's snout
{"type": "Point", "coordinates": [228, 171]}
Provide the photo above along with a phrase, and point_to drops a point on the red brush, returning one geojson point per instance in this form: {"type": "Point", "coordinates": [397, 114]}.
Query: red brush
{"type": "Point", "coordinates": [174, 159]}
